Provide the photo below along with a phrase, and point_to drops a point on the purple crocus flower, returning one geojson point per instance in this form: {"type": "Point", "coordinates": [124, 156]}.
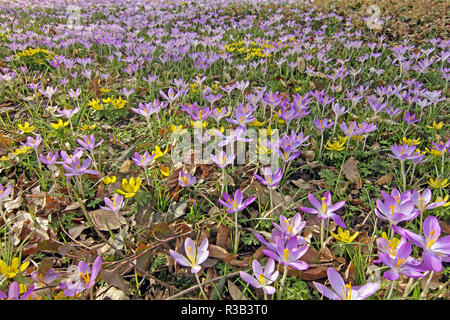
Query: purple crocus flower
{"type": "Point", "coordinates": [33, 142]}
{"type": "Point", "coordinates": [78, 169]}
{"type": "Point", "coordinates": [270, 179]}
{"type": "Point", "coordinates": [343, 291]}
{"type": "Point", "coordinates": [410, 118]}
{"type": "Point", "coordinates": [324, 209]}
{"type": "Point", "coordinates": [185, 179]}
{"type": "Point", "coordinates": [4, 192]}
{"type": "Point", "coordinates": [81, 277]}
{"type": "Point", "coordinates": [291, 227]}
{"type": "Point", "coordinates": [435, 250]}
{"type": "Point", "coordinates": [401, 263]}
{"type": "Point", "coordinates": [14, 292]}
{"type": "Point", "coordinates": [68, 113]}
{"type": "Point", "coordinates": [171, 96]}
{"type": "Point", "coordinates": [49, 159]}
{"type": "Point", "coordinates": [143, 160]}
{"type": "Point", "coordinates": [395, 211]}
{"type": "Point", "coordinates": [402, 152]}
{"type": "Point", "coordinates": [223, 160]}
{"type": "Point", "coordinates": [88, 142]}
{"type": "Point", "coordinates": [422, 200]}
{"type": "Point", "coordinates": [236, 204]}
{"type": "Point", "coordinates": [321, 125]}
{"type": "Point", "coordinates": [287, 252]}
{"type": "Point", "coordinates": [44, 279]}
{"type": "Point", "coordinates": [194, 258]}
{"type": "Point", "coordinates": [146, 110]}
{"type": "Point", "coordinates": [262, 278]}
{"type": "Point", "coordinates": [114, 204]}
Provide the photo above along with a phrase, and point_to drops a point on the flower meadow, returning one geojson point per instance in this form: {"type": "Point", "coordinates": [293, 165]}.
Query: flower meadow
{"type": "Point", "coordinates": [220, 150]}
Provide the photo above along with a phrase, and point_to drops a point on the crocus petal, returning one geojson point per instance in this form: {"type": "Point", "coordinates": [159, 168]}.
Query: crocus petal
{"type": "Point", "coordinates": [337, 283]}
{"type": "Point", "coordinates": [326, 292]}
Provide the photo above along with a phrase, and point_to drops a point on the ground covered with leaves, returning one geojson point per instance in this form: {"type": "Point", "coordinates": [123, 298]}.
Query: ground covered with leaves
{"type": "Point", "coordinates": [224, 150]}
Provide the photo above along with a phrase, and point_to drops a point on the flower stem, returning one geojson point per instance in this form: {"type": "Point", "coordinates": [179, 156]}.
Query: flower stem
{"type": "Point", "coordinates": [427, 285]}
{"type": "Point", "coordinates": [283, 280]}
{"type": "Point", "coordinates": [391, 289]}
{"type": "Point", "coordinates": [200, 286]}
{"type": "Point", "coordinates": [322, 233]}
{"type": "Point", "coordinates": [402, 167]}
{"type": "Point", "coordinates": [236, 233]}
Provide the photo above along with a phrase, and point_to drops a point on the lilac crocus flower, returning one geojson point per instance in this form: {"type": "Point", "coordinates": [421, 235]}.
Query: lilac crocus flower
{"type": "Point", "coordinates": [185, 179]}
{"type": "Point", "coordinates": [78, 169]}
{"type": "Point", "coordinates": [49, 159]}
{"type": "Point", "coordinates": [222, 160]}
{"type": "Point", "coordinates": [194, 258]}
{"type": "Point", "coordinates": [401, 263]}
{"type": "Point", "coordinates": [81, 277]}
{"type": "Point", "coordinates": [146, 110]}
{"type": "Point", "coordinates": [395, 211]}
{"type": "Point", "coordinates": [324, 209]}
{"type": "Point", "coordinates": [262, 278]}
{"type": "Point", "coordinates": [236, 204]}
{"type": "Point", "coordinates": [171, 96]}
{"type": "Point", "coordinates": [410, 118]}
{"type": "Point", "coordinates": [68, 113]}
{"type": "Point", "coordinates": [44, 279]}
{"type": "Point", "coordinates": [435, 250]}
{"type": "Point", "coordinates": [4, 192]}
{"type": "Point", "coordinates": [323, 124]}
{"type": "Point", "coordinates": [114, 204]}
{"type": "Point", "coordinates": [270, 179]}
{"type": "Point", "coordinates": [14, 292]}
{"type": "Point", "coordinates": [422, 200]}
{"type": "Point", "coordinates": [288, 253]}
{"type": "Point", "coordinates": [33, 142]}
{"type": "Point", "coordinates": [343, 291]}
{"type": "Point", "coordinates": [402, 152]}
{"type": "Point", "coordinates": [88, 142]}
{"type": "Point", "coordinates": [143, 160]}
{"type": "Point", "coordinates": [291, 227]}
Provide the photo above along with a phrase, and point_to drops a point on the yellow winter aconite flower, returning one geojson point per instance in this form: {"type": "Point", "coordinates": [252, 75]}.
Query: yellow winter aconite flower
{"type": "Point", "coordinates": [436, 184]}
{"type": "Point", "coordinates": [194, 87]}
{"type": "Point", "coordinates": [411, 142]}
{"type": "Point", "coordinates": [165, 171]}
{"type": "Point", "coordinates": [261, 148]}
{"type": "Point", "coordinates": [436, 126]}
{"type": "Point", "coordinates": [107, 100]}
{"type": "Point", "coordinates": [96, 105]}
{"type": "Point", "coordinates": [119, 103]}
{"type": "Point", "coordinates": [4, 158]}
{"type": "Point", "coordinates": [199, 124]}
{"type": "Point", "coordinates": [105, 90]}
{"type": "Point", "coordinates": [21, 150]}
{"type": "Point", "coordinates": [256, 123]}
{"type": "Point", "coordinates": [26, 128]}
{"type": "Point", "coordinates": [336, 145]}
{"type": "Point", "coordinates": [129, 188]}
{"type": "Point", "coordinates": [446, 204]}
{"type": "Point", "coordinates": [344, 236]}
{"type": "Point", "coordinates": [158, 153]}
{"type": "Point", "coordinates": [60, 124]}
{"type": "Point", "coordinates": [109, 180]}
{"type": "Point", "coordinates": [86, 127]}
{"type": "Point", "coordinates": [268, 132]}
{"type": "Point", "coordinates": [434, 152]}
{"type": "Point", "coordinates": [177, 130]}
{"type": "Point", "coordinates": [10, 271]}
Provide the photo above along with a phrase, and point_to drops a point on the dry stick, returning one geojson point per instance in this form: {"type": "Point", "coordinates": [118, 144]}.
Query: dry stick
{"type": "Point", "coordinates": [182, 293]}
